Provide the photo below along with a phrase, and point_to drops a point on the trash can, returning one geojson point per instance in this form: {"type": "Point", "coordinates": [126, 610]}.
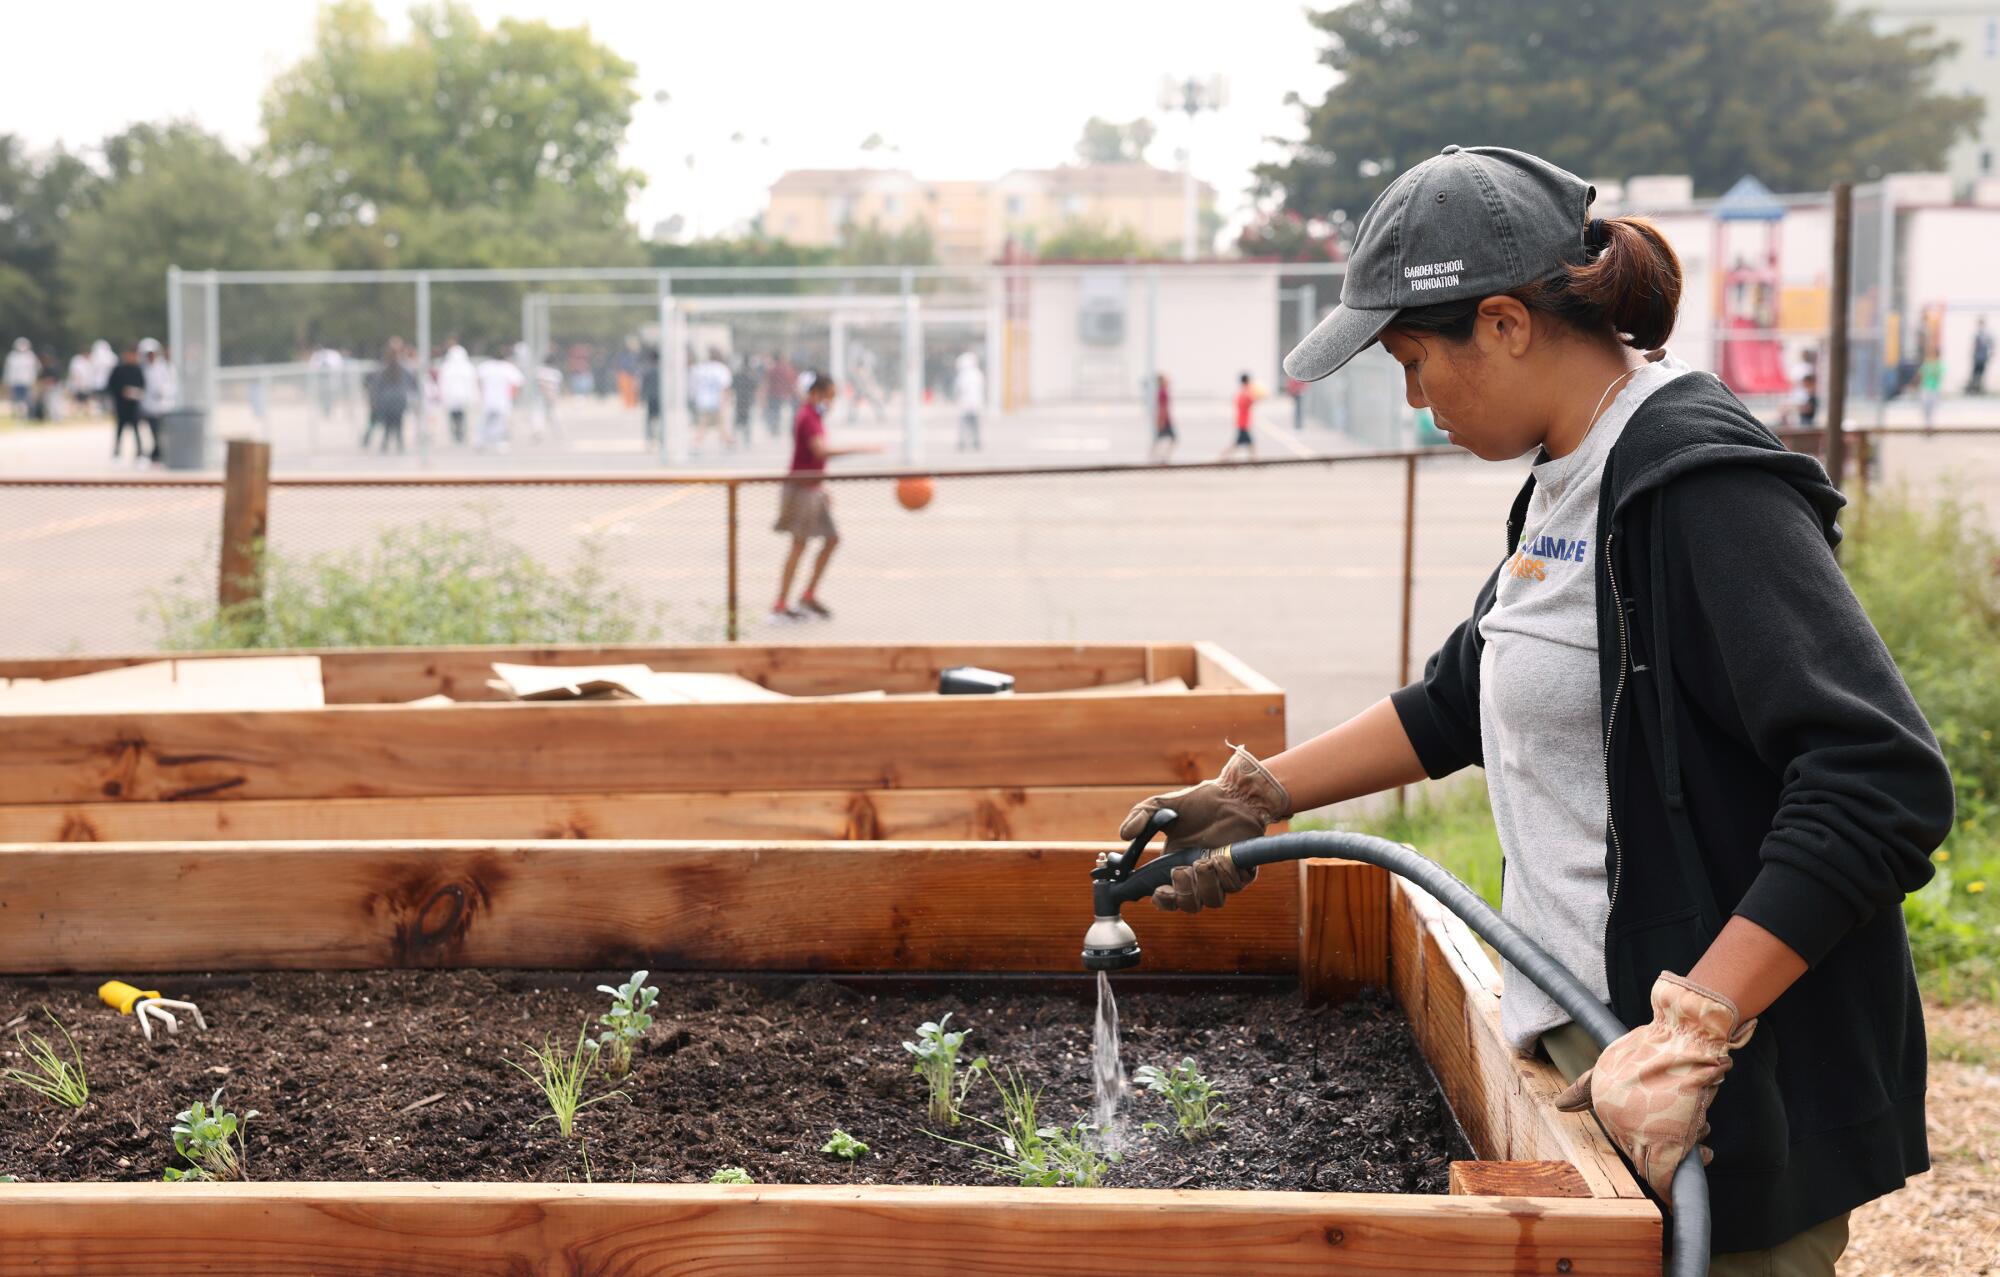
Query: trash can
{"type": "Point", "coordinates": [184, 438]}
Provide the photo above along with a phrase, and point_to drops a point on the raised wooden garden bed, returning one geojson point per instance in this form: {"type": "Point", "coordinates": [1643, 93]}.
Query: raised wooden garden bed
{"type": "Point", "coordinates": [1548, 1196]}
{"type": "Point", "coordinates": [1064, 759]}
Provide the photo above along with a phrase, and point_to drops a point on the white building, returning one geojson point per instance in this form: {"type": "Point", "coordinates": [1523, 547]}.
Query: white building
{"type": "Point", "coordinates": [1974, 25]}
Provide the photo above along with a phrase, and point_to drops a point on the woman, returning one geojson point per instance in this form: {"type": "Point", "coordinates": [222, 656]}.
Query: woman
{"type": "Point", "coordinates": [1710, 782]}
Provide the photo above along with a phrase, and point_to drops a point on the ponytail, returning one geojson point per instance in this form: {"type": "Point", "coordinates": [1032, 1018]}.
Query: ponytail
{"type": "Point", "coordinates": [1629, 284]}
{"type": "Point", "coordinates": [1632, 283]}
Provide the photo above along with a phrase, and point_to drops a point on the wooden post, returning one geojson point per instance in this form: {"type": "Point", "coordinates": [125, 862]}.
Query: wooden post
{"type": "Point", "coordinates": [1343, 928]}
{"type": "Point", "coordinates": [1836, 355]}
{"type": "Point", "coordinates": [731, 603]}
{"type": "Point", "coordinates": [1409, 583]}
{"type": "Point", "coordinates": [246, 497]}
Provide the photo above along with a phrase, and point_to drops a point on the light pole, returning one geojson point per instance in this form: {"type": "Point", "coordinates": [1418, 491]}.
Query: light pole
{"type": "Point", "coordinates": [1192, 95]}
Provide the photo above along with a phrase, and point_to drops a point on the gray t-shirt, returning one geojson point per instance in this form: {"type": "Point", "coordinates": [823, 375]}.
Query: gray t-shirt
{"type": "Point", "coordinates": [1540, 719]}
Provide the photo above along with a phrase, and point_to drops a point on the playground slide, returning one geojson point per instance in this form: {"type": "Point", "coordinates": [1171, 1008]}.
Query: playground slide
{"type": "Point", "coordinates": [1753, 366]}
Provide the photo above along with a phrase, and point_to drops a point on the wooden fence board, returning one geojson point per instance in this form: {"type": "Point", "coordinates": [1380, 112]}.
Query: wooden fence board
{"type": "Point", "coordinates": [366, 751]}
{"type": "Point", "coordinates": [807, 907]}
{"type": "Point", "coordinates": [1343, 928]}
{"type": "Point", "coordinates": [396, 674]}
{"type": "Point", "coordinates": [1505, 1101]}
{"type": "Point", "coordinates": [1000, 814]}
{"type": "Point", "coordinates": [625, 1230]}
{"type": "Point", "coordinates": [1516, 1179]}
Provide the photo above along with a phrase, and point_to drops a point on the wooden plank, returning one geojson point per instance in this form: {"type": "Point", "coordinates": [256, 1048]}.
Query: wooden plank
{"type": "Point", "coordinates": [625, 1230]}
{"type": "Point", "coordinates": [1343, 928]}
{"type": "Point", "coordinates": [1216, 668]}
{"type": "Point", "coordinates": [1504, 1101]}
{"type": "Point", "coordinates": [938, 815]}
{"type": "Point", "coordinates": [776, 906]}
{"type": "Point", "coordinates": [363, 751]}
{"type": "Point", "coordinates": [388, 675]}
{"type": "Point", "coordinates": [240, 683]}
{"type": "Point", "coordinates": [1516, 1179]}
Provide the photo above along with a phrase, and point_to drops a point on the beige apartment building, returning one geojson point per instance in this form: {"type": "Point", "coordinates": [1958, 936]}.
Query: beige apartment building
{"type": "Point", "coordinates": [971, 222]}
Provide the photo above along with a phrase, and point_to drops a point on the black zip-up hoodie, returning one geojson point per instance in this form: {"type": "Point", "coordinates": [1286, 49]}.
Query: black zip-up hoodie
{"type": "Point", "coordinates": [1763, 757]}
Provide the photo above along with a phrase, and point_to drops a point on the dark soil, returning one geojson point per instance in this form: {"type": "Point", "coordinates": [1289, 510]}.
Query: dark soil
{"type": "Point", "coordinates": [751, 1072]}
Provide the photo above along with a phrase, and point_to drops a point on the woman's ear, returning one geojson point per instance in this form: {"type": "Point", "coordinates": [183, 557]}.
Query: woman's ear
{"type": "Point", "coordinates": [1505, 326]}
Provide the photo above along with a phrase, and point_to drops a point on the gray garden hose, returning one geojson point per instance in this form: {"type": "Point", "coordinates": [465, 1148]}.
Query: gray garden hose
{"type": "Point", "coordinates": [1689, 1254]}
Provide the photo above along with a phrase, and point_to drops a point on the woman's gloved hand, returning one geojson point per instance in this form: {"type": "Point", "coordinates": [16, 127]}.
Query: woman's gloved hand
{"type": "Point", "coordinates": [1242, 802]}
{"type": "Point", "coordinates": [1651, 1088]}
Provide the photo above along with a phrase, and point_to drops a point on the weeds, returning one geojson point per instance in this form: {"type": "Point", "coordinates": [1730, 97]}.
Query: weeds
{"type": "Point", "coordinates": [430, 584]}
{"type": "Point", "coordinates": [731, 1175]}
{"type": "Point", "coordinates": [50, 1076]}
{"type": "Point", "coordinates": [1188, 1093]}
{"type": "Point", "coordinates": [626, 1023]}
{"type": "Point", "coordinates": [563, 1081]}
{"type": "Point", "coordinates": [937, 1050]}
{"type": "Point", "coordinates": [843, 1145]}
{"type": "Point", "coordinates": [210, 1139]}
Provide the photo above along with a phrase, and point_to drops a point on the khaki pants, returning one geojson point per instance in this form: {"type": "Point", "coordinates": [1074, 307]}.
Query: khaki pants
{"type": "Point", "coordinates": [1810, 1254]}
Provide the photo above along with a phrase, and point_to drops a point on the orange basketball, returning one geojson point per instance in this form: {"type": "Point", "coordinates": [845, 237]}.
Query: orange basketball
{"type": "Point", "coordinates": [915, 491]}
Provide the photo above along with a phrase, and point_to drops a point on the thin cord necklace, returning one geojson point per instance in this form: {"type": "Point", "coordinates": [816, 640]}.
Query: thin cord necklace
{"type": "Point", "coordinates": [1598, 411]}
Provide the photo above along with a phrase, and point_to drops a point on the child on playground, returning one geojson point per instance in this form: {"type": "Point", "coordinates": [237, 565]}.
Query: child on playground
{"type": "Point", "coordinates": [1247, 395]}
{"type": "Point", "coordinates": [804, 512]}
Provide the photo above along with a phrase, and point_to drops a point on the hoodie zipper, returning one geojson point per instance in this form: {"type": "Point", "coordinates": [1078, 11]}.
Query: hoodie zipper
{"type": "Point", "coordinates": [1617, 691]}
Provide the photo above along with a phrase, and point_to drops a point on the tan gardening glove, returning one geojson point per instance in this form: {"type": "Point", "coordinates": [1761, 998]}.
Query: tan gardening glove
{"type": "Point", "coordinates": [1242, 802]}
{"type": "Point", "coordinates": [1651, 1088]}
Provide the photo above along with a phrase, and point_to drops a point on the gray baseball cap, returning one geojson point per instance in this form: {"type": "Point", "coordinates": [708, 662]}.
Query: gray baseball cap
{"type": "Point", "coordinates": [1469, 222]}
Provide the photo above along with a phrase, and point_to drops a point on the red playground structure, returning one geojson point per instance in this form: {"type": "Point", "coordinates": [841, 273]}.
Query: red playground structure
{"type": "Point", "coordinates": [1749, 356]}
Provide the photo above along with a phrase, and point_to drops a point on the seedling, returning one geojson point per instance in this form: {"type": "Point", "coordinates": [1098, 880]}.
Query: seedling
{"type": "Point", "coordinates": [563, 1081]}
{"type": "Point", "coordinates": [626, 1023]}
{"type": "Point", "coordinates": [210, 1139]}
{"type": "Point", "coordinates": [1188, 1093]}
{"type": "Point", "coordinates": [51, 1076]}
{"type": "Point", "coordinates": [843, 1145]}
{"type": "Point", "coordinates": [731, 1175]}
{"type": "Point", "coordinates": [936, 1050]}
{"type": "Point", "coordinates": [1032, 1155]}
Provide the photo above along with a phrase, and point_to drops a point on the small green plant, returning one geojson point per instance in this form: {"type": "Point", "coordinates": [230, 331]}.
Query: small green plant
{"type": "Point", "coordinates": [50, 1076]}
{"type": "Point", "coordinates": [626, 1023]}
{"type": "Point", "coordinates": [731, 1175]}
{"type": "Point", "coordinates": [564, 1080]}
{"type": "Point", "coordinates": [936, 1050]}
{"type": "Point", "coordinates": [1031, 1154]}
{"type": "Point", "coordinates": [1188, 1093]}
{"type": "Point", "coordinates": [843, 1145]}
{"type": "Point", "coordinates": [210, 1139]}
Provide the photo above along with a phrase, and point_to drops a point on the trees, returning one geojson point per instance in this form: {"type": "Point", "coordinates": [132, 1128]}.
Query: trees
{"type": "Point", "coordinates": [38, 195]}
{"type": "Point", "coordinates": [371, 133]}
{"type": "Point", "coordinates": [1785, 89]}
{"type": "Point", "coordinates": [1093, 241]}
{"type": "Point", "coordinates": [1104, 142]}
{"type": "Point", "coordinates": [184, 200]}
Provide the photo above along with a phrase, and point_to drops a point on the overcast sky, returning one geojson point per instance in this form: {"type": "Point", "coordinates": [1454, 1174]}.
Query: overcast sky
{"type": "Point", "coordinates": [965, 91]}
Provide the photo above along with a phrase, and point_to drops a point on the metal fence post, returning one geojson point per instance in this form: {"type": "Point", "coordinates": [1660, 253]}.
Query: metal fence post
{"type": "Point", "coordinates": [732, 627]}
{"type": "Point", "coordinates": [176, 324]}
{"type": "Point", "coordinates": [913, 373]}
{"type": "Point", "coordinates": [246, 500]}
{"type": "Point", "coordinates": [423, 368]}
{"type": "Point", "coordinates": [1843, 285]}
{"type": "Point", "coordinates": [212, 356]}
